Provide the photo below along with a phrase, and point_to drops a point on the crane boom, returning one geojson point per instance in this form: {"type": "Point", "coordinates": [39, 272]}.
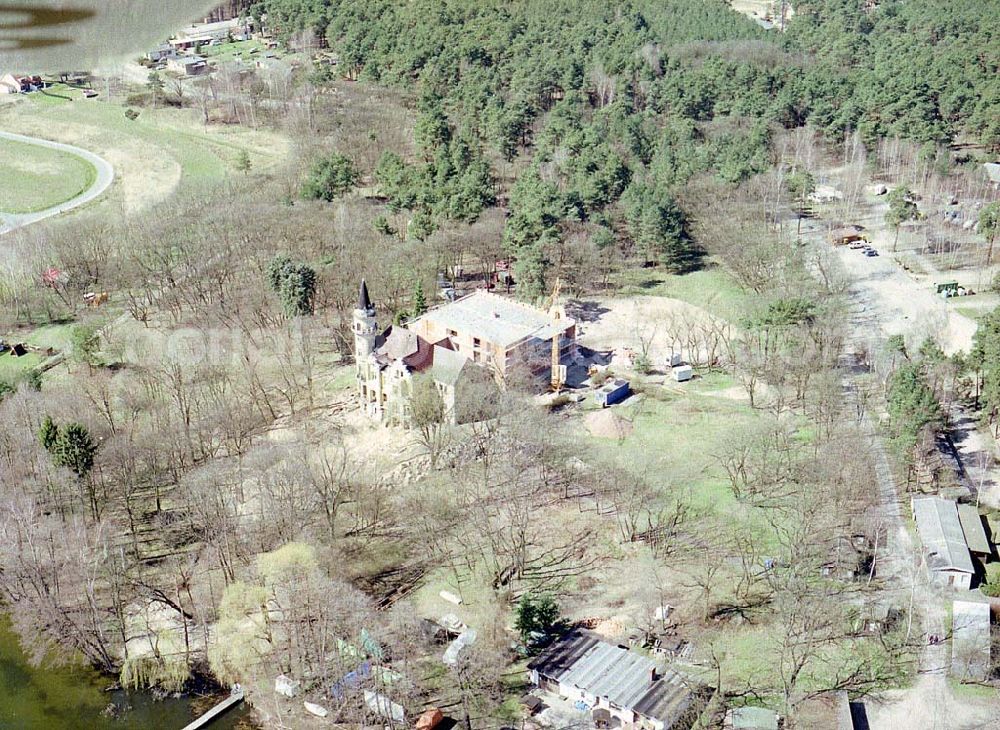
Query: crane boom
{"type": "Point", "coordinates": [556, 373]}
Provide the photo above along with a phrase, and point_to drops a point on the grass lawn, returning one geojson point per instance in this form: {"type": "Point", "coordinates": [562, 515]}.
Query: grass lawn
{"type": "Point", "coordinates": [710, 288]}
{"type": "Point", "coordinates": [36, 178]}
{"type": "Point", "coordinates": [673, 437]}
{"type": "Point", "coordinates": [972, 313]}
{"type": "Point", "coordinates": [234, 50]}
{"type": "Point", "coordinates": [993, 573]}
{"type": "Point", "coordinates": [56, 336]}
{"type": "Point", "coordinates": [972, 691]}
{"type": "Point", "coordinates": [13, 368]}
{"type": "Point", "coordinates": [161, 151]}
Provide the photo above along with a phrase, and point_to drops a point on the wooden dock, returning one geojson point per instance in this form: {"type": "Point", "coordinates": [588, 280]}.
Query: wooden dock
{"type": "Point", "coordinates": [234, 699]}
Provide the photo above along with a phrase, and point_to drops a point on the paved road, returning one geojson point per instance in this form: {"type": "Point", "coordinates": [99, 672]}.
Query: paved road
{"type": "Point", "coordinates": [105, 176]}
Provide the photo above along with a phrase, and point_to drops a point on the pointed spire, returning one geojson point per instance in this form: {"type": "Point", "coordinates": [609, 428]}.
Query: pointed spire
{"type": "Point", "coordinates": [364, 301]}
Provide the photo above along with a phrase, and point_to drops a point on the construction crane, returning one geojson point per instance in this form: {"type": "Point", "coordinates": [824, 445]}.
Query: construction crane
{"type": "Point", "coordinates": [556, 383]}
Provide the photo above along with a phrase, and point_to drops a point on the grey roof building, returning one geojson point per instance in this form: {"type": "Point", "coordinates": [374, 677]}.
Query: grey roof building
{"type": "Point", "coordinates": [972, 527]}
{"type": "Point", "coordinates": [970, 643]}
{"type": "Point", "coordinates": [945, 549]}
{"type": "Point", "coordinates": [751, 718]}
{"type": "Point", "coordinates": [499, 320]}
{"type": "Point", "coordinates": [993, 172]}
{"type": "Point", "coordinates": [627, 684]}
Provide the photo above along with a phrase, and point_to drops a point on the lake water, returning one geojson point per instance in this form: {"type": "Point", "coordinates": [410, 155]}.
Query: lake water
{"type": "Point", "coordinates": [73, 698]}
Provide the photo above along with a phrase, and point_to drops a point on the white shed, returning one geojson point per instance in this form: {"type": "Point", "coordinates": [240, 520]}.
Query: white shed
{"type": "Point", "coordinates": [683, 373]}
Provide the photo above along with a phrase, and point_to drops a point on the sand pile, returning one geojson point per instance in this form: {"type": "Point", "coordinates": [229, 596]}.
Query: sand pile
{"type": "Point", "coordinates": [607, 424]}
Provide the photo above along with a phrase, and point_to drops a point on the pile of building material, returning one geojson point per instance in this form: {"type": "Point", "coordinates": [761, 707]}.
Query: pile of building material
{"type": "Point", "coordinates": [608, 425]}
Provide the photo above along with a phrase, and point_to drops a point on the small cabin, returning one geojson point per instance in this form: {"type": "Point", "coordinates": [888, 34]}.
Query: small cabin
{"type": "Point", "coordinates": [846, 235]}
{"type": "Point", "coordinates": [683, 373]}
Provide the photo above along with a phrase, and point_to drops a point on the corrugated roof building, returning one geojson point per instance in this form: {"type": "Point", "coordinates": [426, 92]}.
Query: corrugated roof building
{"type": "Point", "coordinates": [945, 549]}
{"type": "Point", "coordinates": [972, 527]}
{"type": "Point", "coordinates": [625, 683]}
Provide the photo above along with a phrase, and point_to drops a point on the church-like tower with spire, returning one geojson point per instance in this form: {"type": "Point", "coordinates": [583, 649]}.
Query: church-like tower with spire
{"type": "Point", "coordinates": [365, 325]}
{"type": "Point", "coordinates": [366, 339]}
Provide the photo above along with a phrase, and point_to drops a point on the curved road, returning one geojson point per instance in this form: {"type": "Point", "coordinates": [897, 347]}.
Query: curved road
{"type": "Point", "coordinates": [105, 175]}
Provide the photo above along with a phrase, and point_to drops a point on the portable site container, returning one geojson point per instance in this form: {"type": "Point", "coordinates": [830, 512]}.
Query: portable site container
{"type": "Point", "coordinates": [613, 391]}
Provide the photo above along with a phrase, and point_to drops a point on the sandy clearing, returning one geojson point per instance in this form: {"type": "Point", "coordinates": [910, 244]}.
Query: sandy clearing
{"type": "Point", "coordinates": [147, 172]}
{"type": "Point", "coordinates": [900, 304]}
{"type": "Point", "coordinates": [760, 9]}
{"type": "Point", "coordinates": [627, 322]}
{"type": "Point", "coordinates": [146, 178]}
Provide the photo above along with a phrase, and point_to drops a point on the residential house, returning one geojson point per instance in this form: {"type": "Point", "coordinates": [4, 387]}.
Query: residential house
{"type": "Point", "coordinates": [946, 552]}
{"type": "Point", "coordinates": [11, 84]}
{"type": "Point", "coordinates": [161, 53]}
{"type": "Point", "coordinates": [187, 65]}
{"type": "Point", "coordinates": [618, 683]}
{"type": "Point", "coordinates": [501, 333]}
{"type": "Point", "coordinates": [847, 234]}
{"type": "Point", "coordinates": [970, 640]}
{"type": "Point", "coordinates": [829, 710]}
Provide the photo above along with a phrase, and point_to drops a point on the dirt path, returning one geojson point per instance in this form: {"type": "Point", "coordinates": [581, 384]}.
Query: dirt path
{"type": "Point", "coordinates": [887, 301]}
{"type": "Point", "coordinates": [105, 176]}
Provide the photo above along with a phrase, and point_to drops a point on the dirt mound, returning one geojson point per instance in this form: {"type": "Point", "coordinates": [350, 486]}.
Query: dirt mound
{"type": "Point", "coordinates": [607, 424]}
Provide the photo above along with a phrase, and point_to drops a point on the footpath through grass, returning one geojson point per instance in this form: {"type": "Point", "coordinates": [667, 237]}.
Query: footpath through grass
{"type": "Point", "coordinates": [35, 178]}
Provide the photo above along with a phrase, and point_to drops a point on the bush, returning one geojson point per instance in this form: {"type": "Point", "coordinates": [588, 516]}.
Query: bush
{"type": "Point", "coordinates": [330, 178]}
{"type": "Point", "coordinates": [294, 283]}
{"type": "Point", "coordinates": [991, 589]}
{"type": "Point", "coordinates": [558, 402]}
{"type": "Point", "coordinates": [536, 617]}
{"type": "Point", "coordinates": [598, 378]}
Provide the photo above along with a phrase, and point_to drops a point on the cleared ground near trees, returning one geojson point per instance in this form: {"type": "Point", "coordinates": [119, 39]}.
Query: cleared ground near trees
{"type": "Point", "coordinates": [35, 178]}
